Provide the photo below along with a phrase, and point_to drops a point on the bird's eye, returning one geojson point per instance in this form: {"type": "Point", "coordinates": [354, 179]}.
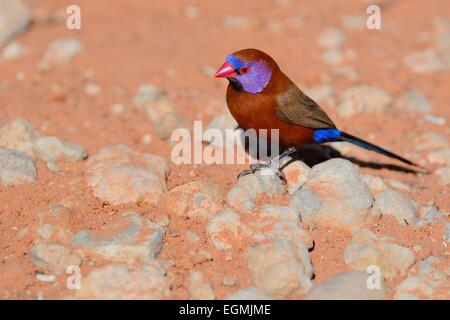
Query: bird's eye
{"type": "Point", "coordinates": [244, 70]}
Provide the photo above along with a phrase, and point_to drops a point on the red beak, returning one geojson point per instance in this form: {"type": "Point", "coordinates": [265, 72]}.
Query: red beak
{"type": "Point", "coordinates": [225, 71]}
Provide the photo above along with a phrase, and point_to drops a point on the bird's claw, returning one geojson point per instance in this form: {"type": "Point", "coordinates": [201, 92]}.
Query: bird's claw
{"type": "Point", "coordinates": [259, 166]}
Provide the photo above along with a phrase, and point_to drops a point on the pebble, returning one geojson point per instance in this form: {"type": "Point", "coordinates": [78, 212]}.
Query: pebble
{"type": "Point", "coordinates": [92, 89]}
{"type": "Point", "coordinates": [44, 277]}
{"type": "Point", "coordinates": [15, 16]}
{"type": "Point", "coordinates": [415, 101]}
{"type": "Point", "coordinates": [12, 51]}
{"type": "Point", "coordinates": [194, 199]}
{"type": "Point", "coordinates": [140, 239]}
{"type": "Point", "coordinates": [121, 282]}
{"type": "Point", "coordinates": [20, 135]}
{"type": "Point", "coordinates": [168, 123]}
{"type": "Point", "coordinates": [443, 175]}
{"type": "Point", "coordinates": [234, 22]}
{"type": "Point", "coordinates": [423, 62]}
{"type": "Point", "coordinates": [354, 22]}
{"type": "Point", "coordinates": [60, 52]}
{"type": "Point", "coordinates": [333, 57]}
{"type": "Point", "coordinates": [429, 215]}
{"type": "Point", "coordinates": [118, 174]}
{"type": "Point", "coordinates": [441, 157]}
{"type": "Point", "coordinates": [242, 195]}
{"type": "Point", "coordinates": [429, 141]}
{"type": "Point", "coordinates": [53, 258]}
{"type": "Point", "coordinates": [428, 283]}
{"type": "Point", "coordinates": [394, 203]}
{"type": "Point", "coordinates": [51, 149]}
{"type": "Point", "coordinates": [331, 38]}
{"type": "Point", "coordinates": [345, 199]}
{"type": "Point", "coordinates": [199, 287]}
{"type": "Point", "coordinates": [363, 99]}
{"type": "Point", "coordinates": [366, 249]}
{"type": "Point", "coordinates": [223, 227]}
{"type": "Point", "coordinates": [280, 268]}
{"type": "Point", "coordinates": [296, 174]}
{"type": "Point", "coordinates": [306, 203]}
{"type": "Point", "coordinates": [375, 184]}
{"type": "Point", "coordinates": [351, 285]}
{"type": "Point", "coordinates": [399, 185]}
{"type": "Point", "coordinates": [117, 108]}
{"type": "Point", "coordinates": [54, 224]}
{"type": "Point", "coordinates": [16, 168]}
{"type": "Point", "coordinates": [440, 121]}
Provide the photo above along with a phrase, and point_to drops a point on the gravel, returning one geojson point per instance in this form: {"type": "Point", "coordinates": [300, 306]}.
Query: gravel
{"type": "Point", "coordinates": [16, 168]}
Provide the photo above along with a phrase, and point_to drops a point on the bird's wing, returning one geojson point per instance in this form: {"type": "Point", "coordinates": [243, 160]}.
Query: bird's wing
{"type": "Point", "coordinates": [295, 107]}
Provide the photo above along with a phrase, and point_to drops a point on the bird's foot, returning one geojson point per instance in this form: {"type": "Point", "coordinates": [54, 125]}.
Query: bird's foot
{"type": "Point", "coordinates": [260, 166]}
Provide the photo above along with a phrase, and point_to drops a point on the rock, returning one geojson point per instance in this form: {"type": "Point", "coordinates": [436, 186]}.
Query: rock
{"type": "Point", "coordinates": [447, 232]}
{"type": "Point", "coordinates": [223, 226]}
{"type": "Point", "coordinates": [395, 203]}
{"type": "Point", "coordinates": [117, 108]}
{"type": "Point", "coordinates": [414, 101]}
{"type": "Point", "coordinates": [278, 212]}
{"type": "Point", "coordinates": [230, 281]}
{"type": "Point", "coordinates": [222, 123]}
{"type": "Point", "coordinates": [19, 135]}
{"type": "Point", "coordinates": [132, 238]}
{"type": "Point", "coordinates": [351, 285]}
{"type": "Point", "coordinates": [16, 168]}
{"type": "Point", "coordinates": [15, 16]}
{"type": "Point", "coordinates": [429, 215]}
{"type": "Point", "coordinates": [431, 141]}
{"type": "Point", "coordinates": [241, 196]}
{"type": "Point", "coordinates": [441, 157]}
{"type": "Point", "coordinates": [54, 224]}
{"type": "Point", "coordinates": [354, 22]}
{"type": "Point", "coordinates": [234, 22]}
{"type": "Point", "coordinates": [399, 185]}
{"type": "Point", "coordinates": [121, 282]}
{"type": "Point", "coordinates": [296, 173]}
{"type": "Point", "coordinates": [279, 268]}
{"type": "Point", "coordinates": [344, 197]}
{"type": "Point", "coordinates": [193, 199]}
{"type": "Point", "coordinates": [51, 149]}
{"type": "Point", "coordinates": [60, 52]}
{"type": "Point", "coordinates": [363, 99]}
{"type": "Point", "coordinates": [331, 38]}
{"type": "Point", "coordinates": [12, 51]}
{"type": "Point", "coordinates": [321, 93]}
{"type": "Point", "coordinates": [333, 57]}
{"type": "Point", "coordinates": [440, 121]}
{"type": "Point", "coordinates": [428, 283]}
{"type": "Point", "coordinates": [153, 101]}
{"type": "Point", "coordinates": [248, 294]}
{"type": "Point", "coordinates": [375, 184]}
{"type": "Point", "coordinates": [92, 89]}
{"type": "Point", "coordinates": [305, 202]}
{"type": "Point", "coordinates": [53, 258]}
{"type": "Point", "coordinates": [443, 176]}
{"type": "Point", "coordinates": [288, 230]}
{"type": "Point", "coordinates": [367, 249]}
{"type": "Point", "coordinates": [199, 287]}
{"type": "Point", "coordinates": [168, 123]}
{"type": "Point", "coordinates": [423, 62]}
{"type": "Point", "coordinates": [118, 174]}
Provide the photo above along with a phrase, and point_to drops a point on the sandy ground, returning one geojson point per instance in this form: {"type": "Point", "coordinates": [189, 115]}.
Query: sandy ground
{"type": "Point", "coordinates": [128, 43]}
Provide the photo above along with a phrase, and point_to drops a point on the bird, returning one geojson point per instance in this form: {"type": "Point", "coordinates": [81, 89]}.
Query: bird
{"type": "Point", "coordinates": [260, 96]}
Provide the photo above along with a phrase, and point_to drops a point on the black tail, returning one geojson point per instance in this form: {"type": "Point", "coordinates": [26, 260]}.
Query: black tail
{"type": "Point", "coordinates": [367, 145]}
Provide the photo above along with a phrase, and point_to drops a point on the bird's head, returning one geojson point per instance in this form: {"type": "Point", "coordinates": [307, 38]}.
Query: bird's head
{"type": "Point", "coordinates": [249, 70]}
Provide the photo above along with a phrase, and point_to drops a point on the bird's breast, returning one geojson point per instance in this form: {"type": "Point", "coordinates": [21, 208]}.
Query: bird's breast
{"type": "Point", "coordinates": [258, 111]}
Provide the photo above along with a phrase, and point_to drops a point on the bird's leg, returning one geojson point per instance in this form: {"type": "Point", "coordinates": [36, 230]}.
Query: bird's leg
{"type": "Point", "coordinates": [269, 164]}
